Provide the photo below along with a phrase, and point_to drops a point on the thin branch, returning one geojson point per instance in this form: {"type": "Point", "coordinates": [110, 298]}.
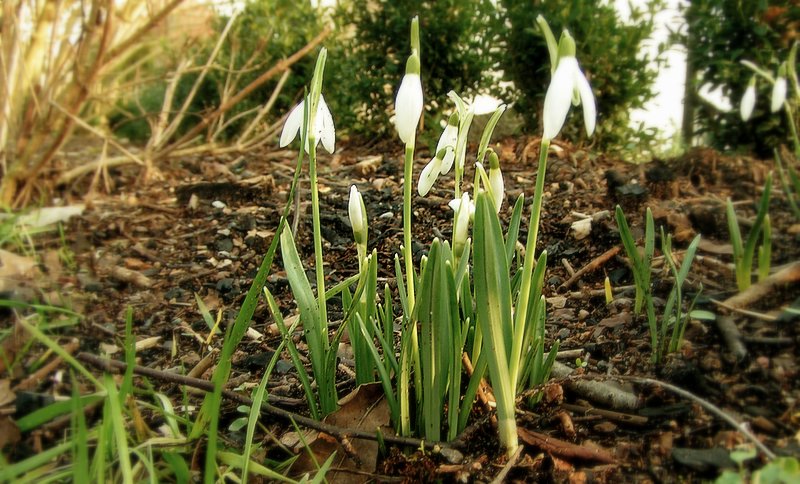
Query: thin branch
{"type": "Point", "coordinates": [113, 366]}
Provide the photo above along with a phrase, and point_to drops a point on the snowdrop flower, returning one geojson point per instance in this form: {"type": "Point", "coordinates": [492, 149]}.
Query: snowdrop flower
{"type": "Point", "coordinates": [465, 210]}
{"type": "Point", "coordinates": [779, 90]}
{"type": "Point", "coordinates": [567, 79]}
{"type": "Point", "coordinates": [323, 126]}
{"type": "Point", "coordinates": [448, 139]}
{"type": "Point", "coordinates": [357, 212]}
{"type": "Point", "coordinates": [748, 100]}
{"type": "Point", "coordinates": [433, 169]}
{"type": "Point", "coordinates": [496, 181]}
{"type": "Point", "coordinates": [408, 105]}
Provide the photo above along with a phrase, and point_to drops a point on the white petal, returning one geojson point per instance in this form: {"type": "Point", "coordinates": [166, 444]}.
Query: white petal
{"type": "Point", "coordinates": [748, 103]}
{"type": "Point", "coordinates": [293, 124]}
{"type": "Point", "coordinates": [449, 138]}
{"type": "Point", "coordinates": [447, 161]}
{"type": "Point", "coordinates": [408, 107]}
{"type": "Point", "coordinates": [587, 100]}
{"type": "Point", "coordinates": [354, 210]}
{"type": "Point", "coordinates": [461, 225]}
{"type": "Point", "coordinates": [498, 187]}
{"type": "Point", "coordinates": [778, 94]}
{"type": "Point", "coordinates": [325, 130]}
{"type": "Point", "coordinates": [428, 176]}
{"type": "Point", "coordinates": [559, 97]}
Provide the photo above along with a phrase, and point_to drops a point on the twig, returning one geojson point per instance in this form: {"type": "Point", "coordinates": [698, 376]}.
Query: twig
{"type": "Point", "coordinates": [40, 374]}
{"type": "Point", "coordinates": [740, 426]}
{"type": "Point", "coordinates": [512, 461]}
{"type": "Point", "coordinates": [113, 366]}
{"type": "Point", "coordinates": [608, 414]}
{"type": "Point", "coordinates": [597, 391]}
{"type": "Point", "coordinates": [787, 275]}
{"type": "Point", "coordinates": [731, 336]}
{"type": "Point", "coordinates": [746, 312]}
{"type": "Point", "coordinates": [562, 448]}
{"type": "Point", "coordinates": [591, 266]}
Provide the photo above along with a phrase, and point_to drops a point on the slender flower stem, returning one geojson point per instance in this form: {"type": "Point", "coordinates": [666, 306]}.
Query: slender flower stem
{"type": "Point", "coordinates": [538, 194]}
{"type": "Point", "coordinates": [793, 128]}
{"type": "Point", "coordinates": [407, 252]}
{"type": "Point", "coordinates": [327, 405]}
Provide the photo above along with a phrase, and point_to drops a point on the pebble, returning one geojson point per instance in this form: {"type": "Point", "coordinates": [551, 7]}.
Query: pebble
{"type": "Point", "coordinates": [225, 285]}
{"type": "Point", "coordinates": [218, 204]}
{"type": "Point", "coordinates": [386, 215]}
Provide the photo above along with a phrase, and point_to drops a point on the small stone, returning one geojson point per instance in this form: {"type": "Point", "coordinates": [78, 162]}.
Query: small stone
{"type": "Point", "coordinates": [563, 333]}
{"type": "Point", "coordinates": [386, 216]}
{"type": "Point", "coordinates": [225, 285]}
{"type": "Point", "coordinates": [605, 427]}
{"type": "Point", "coordinates": [224, 244]}
{"type": "Point", "coordinates": [583, 314]}
{"type": "Point", "coordinates": [452, 455]}
{"type": "Point", "coordinates": [218, 204]}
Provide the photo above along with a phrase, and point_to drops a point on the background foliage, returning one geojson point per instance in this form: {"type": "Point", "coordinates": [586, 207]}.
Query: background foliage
{"type": "Point", "coordinates": [608, 52]}
{"type": "Point", "coordinates": [369, 58]}
{"type": "Point", "coordinates": [722, 33]}
{"type": "Point", "coordinates": [265, 32]}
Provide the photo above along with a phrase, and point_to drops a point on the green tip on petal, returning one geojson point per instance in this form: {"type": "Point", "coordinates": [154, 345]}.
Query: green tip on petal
{"type": "Point", "coordinates": [566, 45]}
{"type": "Point", "coordinates": [412, 65]}
{"type": "Point", "coordinates": [453, 120]}
{"type": "Point", "coordinates": [415, 34]}
{"type": "Point", "coordinates": [494, 161]}
{"type": "Point", "coordinates": [782, 70]}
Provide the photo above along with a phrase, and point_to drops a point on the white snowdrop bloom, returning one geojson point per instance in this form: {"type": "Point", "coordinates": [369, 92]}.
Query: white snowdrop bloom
{"type": "Point", "coordinates": [432, 171]}
{"type": "Point", "coordinates": [465, 210]}
{"type": "Point", "coordinates": [496, 181]}
{"type": "Point", "coordinates": [357, 212]}
{"type": "Point", "coordinates": [448, 139]}
{"type": "Point", "coordinates": [748, 100]}
{"type": "Point", "coordinates": [778, 94]}
{"type": "Point", "coordinates": [323, 126]}
{"type": "Point", "coordinates": [567, 79]}
{"type": "Point", "coordinates": [408, 105]}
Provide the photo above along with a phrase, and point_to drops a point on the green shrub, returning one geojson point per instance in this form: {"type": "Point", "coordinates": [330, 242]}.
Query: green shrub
{"type": "Point", "coordinates": [721, 34]}
{"type": "Point", "coordinates": [369, 57]}
{"type": "Point", "coordinates": [609, 54]}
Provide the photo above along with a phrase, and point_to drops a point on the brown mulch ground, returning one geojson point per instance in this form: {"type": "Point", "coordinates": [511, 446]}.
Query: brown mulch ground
{"type": "Point", "coordinates": [203, 229]}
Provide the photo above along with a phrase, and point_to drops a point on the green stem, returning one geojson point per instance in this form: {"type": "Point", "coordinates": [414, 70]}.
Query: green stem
{"type": "Point", "coordinates": [407, 251]}
{"type": "Point", "coordinates": [538, 193]}
{"type": "Point", "coordinates": [793, 128]}
{"type": "Point", "coordinates": [327, 404]}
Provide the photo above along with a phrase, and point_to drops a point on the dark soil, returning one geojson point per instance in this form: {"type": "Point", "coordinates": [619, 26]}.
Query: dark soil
{"type": "Point", "coordinates": [204, 228]}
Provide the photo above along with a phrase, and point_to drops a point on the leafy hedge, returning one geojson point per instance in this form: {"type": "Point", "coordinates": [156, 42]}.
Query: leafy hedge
{"type": "Point", "coordinates": [608, 51]}
{"type": "Point", "coordinates": [721, 34]}
{"type": "Point", "coordinates": [369, 57]}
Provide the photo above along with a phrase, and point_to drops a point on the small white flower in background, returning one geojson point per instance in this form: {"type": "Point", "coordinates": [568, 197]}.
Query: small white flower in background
{"type": "Point", "coordinates": [567, 79]}
{"type": "Point", "coordinates": [748, 100]}
{"type": "Point", "coordinates": [408, 105]}
{"type": "Point", "coordinates": [496, 181]}
{"type": "Point", "coordinates": [357, 212]}
{"type": "Point", "coordinates": [448, 139]}
{"type": "Point", "coordinates": [465, 210]}
{"type": "Point", "coordinates": [323, 126]}
{"type": "Point", "coordinates": [432, 170]}
{"type": "Point", "coordinates": [779, 90]}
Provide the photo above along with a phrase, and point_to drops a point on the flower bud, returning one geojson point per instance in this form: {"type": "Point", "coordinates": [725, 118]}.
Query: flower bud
{"type": "Point", "coordinates": [748, 100]}
{"type": "Point", "coordinates": [357, 212]}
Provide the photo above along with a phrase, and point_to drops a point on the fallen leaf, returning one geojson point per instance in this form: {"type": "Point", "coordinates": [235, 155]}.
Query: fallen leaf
{"type": "Point", "coordinates": [364, 409]}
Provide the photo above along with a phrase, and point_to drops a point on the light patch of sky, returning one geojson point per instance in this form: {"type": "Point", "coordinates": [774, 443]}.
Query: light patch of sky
{"type": "Point", "coordinates": [665, 111]}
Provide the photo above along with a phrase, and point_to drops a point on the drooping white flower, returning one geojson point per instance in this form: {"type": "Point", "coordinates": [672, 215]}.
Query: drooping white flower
{"type": "Point", "coordinates": [448, 139]}
{"type": "Point", "coordinates": [408, 105]}
{"type": "Point", "coordinates": [357, 212]}
{"type": "Point", "coordinates": [432, 170]}
{"type": "Point", "coordinates": [323, 131]}
{"type": "Point", "coordinates": [748, 100]}
{"type": "Point", "coordinates": [567, 79]}
{"type": "Point", "coordinates": [778, 93]}
{"type": "Point", "coordinates": [465, 210]}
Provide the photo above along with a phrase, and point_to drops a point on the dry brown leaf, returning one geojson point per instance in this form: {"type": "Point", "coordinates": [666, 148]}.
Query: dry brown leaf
{"type": "Point", "coordinates": [364, 409]}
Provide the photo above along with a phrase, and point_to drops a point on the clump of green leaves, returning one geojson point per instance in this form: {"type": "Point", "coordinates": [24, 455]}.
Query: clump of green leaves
{"type": "Point", "coordinates": [674, 316]}
{"type": "Point", "coordinates": [744, 253]}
